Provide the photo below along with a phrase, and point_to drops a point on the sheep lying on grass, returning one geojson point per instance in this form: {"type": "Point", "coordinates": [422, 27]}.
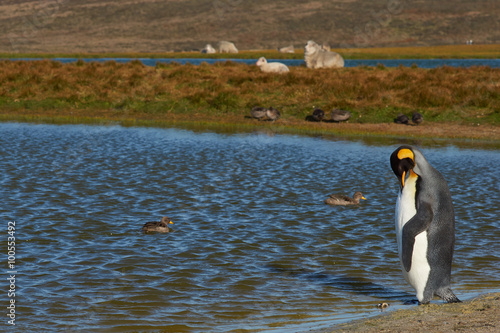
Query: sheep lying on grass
{"type": "Point", "coordinates": [227, 47]}
{"type": "Point", "coordinates": [316, 57]}
{"type": "Point", "coordinates": [271, 67]}
{"type": "Point", "coordinates": [208, 49]}
{"type": "Point", "coordinates": [286, 49]}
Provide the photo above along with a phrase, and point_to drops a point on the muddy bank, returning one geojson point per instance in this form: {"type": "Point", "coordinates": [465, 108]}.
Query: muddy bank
{"type": "Point", "coordinates": [481, 314]}
{"type": "Point", "coordinates": [479, 133]}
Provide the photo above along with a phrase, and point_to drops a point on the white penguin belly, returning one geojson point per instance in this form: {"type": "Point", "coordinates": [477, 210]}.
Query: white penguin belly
{"type": "Point", "coordinates": [420, 269]}
{"type": "Point", "coordinates": [405, 209]}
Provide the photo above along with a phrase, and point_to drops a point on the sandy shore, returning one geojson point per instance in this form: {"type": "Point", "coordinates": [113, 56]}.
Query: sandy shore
{"type": "Point", "coordinates": [481, 314]}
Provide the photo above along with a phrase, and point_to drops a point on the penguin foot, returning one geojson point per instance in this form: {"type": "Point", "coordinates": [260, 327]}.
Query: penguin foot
{"type": "Point", "coordinates": [448, 296]}
{"type": "Point", "coordinates": [451, 299]}
{"type": "Point", "coordinates": [412, 302]}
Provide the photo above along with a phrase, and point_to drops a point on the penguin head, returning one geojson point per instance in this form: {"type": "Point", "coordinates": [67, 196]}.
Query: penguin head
{"type": "Point", "coordinates": [402, 162]}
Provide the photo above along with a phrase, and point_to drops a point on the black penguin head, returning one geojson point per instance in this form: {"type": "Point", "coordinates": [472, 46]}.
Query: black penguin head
{"type": "Point", "coordinates": [402, 161]}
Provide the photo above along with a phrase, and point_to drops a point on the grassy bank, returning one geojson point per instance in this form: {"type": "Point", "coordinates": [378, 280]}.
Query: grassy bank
{"type": "Point", "coordinates": [224, 94]}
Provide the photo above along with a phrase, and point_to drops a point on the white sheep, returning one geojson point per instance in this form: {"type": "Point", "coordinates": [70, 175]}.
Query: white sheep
{"type": "Point", "coordinates": [271, 67]}
{"type": "Point", "coordinates": [227, 47]}
{"type": "Point", "coordinates": [208, 49]}
{"type": "Point", "coordinates": [316, 57]}
{"type": "Point", "coordinates": [286, 49]}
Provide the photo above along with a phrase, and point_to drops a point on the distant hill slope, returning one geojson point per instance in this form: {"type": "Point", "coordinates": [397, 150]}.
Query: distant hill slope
{"type": "Point", "coordinates": [165, 25]}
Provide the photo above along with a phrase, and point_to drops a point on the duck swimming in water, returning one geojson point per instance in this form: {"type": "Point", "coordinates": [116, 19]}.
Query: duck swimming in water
{"type": "Point", "coordinates": [161, 226]}
{"type": "Point", "coordinates": [344, 200]}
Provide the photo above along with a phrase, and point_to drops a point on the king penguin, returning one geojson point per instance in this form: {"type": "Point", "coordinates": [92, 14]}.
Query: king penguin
{"type": "Point", "coordinates": [425, 225]}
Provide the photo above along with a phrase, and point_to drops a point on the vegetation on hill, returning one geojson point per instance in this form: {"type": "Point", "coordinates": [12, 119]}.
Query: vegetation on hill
{"type": "Point", "coordinates": [89, 26]}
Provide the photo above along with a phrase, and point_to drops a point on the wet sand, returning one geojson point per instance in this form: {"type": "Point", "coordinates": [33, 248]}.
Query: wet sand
{"type": "Point", "coordinates": [480, 314]}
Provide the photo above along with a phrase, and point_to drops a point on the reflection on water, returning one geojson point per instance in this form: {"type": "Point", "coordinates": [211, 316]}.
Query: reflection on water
{"type": "Point", "coordinates": [254, 245]}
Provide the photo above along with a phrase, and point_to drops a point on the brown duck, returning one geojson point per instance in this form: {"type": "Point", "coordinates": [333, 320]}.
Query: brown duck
{"type": "Point", "coordinates": [161, 226]}
{"type": "Point", "coordinates": [318, 114]}
{"type": "Point", "coordinates": [344, 200]}
{"type": "Point", "coordinates": [340, 115]}
{"type": "Point", "coordinates": [402, 119]}
{"type": "Point", "coordinates": [258, 112]}
{"type": "Point", "coordinates": [417, 118]}
{"type": "Point", "coordinates": [273, 114]}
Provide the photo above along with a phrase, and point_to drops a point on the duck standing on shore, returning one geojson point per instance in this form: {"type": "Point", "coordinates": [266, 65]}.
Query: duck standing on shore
{"type": "Point", "coordinates": [417, 118]}
{"type": "Point", "coordinates": [318, 114]}
{"type": "Point", "coordinates": [340, 115]}
{"type": "Point", "coordinates": [344, 200]}
{"type": "Point", "coordinates": [402, 119]}
{"type": "Point", "coordinates": [161, 226]}
{"type": "Point", "coordinates": [273, 114]}
{"type": "Point", "coordinates": [258, 112]}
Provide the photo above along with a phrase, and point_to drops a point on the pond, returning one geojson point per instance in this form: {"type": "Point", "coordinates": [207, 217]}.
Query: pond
{"type": "Point", "coordinates": [254, 246]}
{"type": "Point", "coordinates": [423, 63]}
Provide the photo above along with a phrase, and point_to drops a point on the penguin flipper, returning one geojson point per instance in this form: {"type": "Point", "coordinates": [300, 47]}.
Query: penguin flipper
{"type": "Point", "coordinates": [408, 243]}
{"type": "Point", "coordinates": [416, 225]}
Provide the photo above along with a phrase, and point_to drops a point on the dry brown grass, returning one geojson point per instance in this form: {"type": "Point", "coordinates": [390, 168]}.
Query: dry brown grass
{"type": "Point", "coordinates": [226, 91]}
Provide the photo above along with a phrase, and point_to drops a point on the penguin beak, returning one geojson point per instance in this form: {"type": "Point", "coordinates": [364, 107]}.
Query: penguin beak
{"type": "Point", "coordinates": [403, 177]}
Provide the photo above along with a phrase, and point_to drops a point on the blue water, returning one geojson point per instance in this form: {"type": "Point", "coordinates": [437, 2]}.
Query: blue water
{"type": "Point", "coordinates": [423, 63]}
{"type": "Point", "coordinates": [254, 245]}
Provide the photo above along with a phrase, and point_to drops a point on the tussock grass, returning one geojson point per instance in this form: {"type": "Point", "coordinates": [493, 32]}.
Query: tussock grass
{"type": "Point", "coordinates": [225, 92]}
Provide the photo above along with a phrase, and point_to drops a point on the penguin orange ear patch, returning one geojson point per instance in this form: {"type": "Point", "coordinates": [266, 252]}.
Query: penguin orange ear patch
{"type": "Point", "coordinates": [405, 153]}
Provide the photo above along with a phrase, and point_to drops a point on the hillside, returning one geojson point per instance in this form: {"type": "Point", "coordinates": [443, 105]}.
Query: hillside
{"type": "Point", "coordinates": [166, 25]}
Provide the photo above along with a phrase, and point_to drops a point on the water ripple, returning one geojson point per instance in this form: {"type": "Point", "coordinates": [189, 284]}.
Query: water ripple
{"type": "Point", "coordinates": [253, 246]}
